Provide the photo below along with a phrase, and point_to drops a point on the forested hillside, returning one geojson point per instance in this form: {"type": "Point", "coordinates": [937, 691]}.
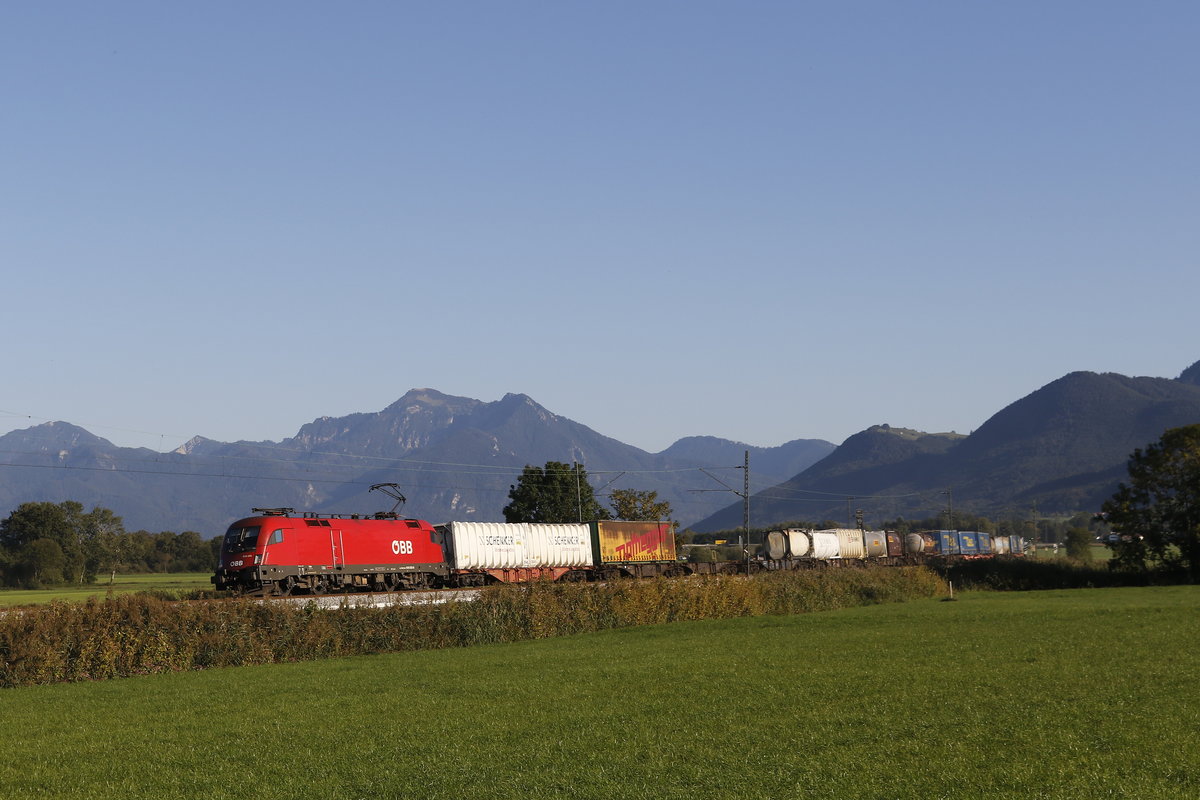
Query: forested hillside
{"type": "Point", "coordinates": [1062, 448]}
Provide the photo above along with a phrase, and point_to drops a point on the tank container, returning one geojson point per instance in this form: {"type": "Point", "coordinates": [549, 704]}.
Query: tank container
{"type": "Point", "coordinates": [825, 545]}
{"type": "Point", "coordinates": [920, 543]}
{"type": "Point", "coordinates": [799, 543]}
{"type": "Point", "coordinates": [850, 542]}
{"type": "Point", "coordinates": [875, 544]}
{"type": "Point", "coordinates": [775, 545]}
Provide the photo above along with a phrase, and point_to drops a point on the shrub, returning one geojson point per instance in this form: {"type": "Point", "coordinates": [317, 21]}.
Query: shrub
{"type": "Point", "coordinates": [124, 635]}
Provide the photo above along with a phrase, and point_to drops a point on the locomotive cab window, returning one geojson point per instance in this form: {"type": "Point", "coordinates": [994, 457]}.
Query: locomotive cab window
{"type": "Point", "coordinates": [241, 539]}
{"type": "Point", "coordinates": [276, 537]}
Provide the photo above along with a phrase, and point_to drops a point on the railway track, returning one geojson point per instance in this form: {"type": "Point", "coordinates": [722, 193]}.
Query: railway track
{"type": "Point", "coordinates": [375, 599]}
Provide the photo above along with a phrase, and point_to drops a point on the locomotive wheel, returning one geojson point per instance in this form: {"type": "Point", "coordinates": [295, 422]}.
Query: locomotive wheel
{"type": "Point", "coordinates": [286, 586]}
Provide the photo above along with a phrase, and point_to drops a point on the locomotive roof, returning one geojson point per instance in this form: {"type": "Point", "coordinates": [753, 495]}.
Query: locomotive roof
{"type": "Point", "coordinates": [291, 512]}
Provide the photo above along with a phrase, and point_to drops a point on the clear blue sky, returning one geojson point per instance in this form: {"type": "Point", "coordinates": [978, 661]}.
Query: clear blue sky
{"type": "Point", "coordinates": [761, 221]}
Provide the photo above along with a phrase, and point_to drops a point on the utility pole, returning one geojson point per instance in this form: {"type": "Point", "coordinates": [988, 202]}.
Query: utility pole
{"type": "Point", "coordinates": [578, 490]}
{"type": "Point", "coordinates": [746, 508]}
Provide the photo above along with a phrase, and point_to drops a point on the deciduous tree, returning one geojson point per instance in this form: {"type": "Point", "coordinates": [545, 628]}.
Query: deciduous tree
{"type": "Point", "coordinates": [42, 561]}
{"type": "Point", "coordinates": [555, 493]}
{"type": "Point", "coordinates": [57, 523]}
{"type": "Point", "coordinates": [1157, 513]}
{"type": "Point", "coordinates": [633, 504]}
{"type": "Point", "coordinates": [1078, 541]}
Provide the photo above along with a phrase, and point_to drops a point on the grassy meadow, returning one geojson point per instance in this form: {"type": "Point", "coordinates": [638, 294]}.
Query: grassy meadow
{"type": "Point", "coordinates": [176, 582]}
{"type": "Point", "coordinates": [1086, 693]}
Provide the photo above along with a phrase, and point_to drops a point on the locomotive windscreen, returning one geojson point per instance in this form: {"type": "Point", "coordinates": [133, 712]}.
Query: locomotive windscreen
{"type": "Point", "coordinates": [241, 539]}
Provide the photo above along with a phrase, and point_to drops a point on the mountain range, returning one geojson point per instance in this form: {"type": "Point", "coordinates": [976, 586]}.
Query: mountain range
{"type": "Point", "coordinates": [1061, 448]}
{"type": "Point", "coordinates": [453, 457]}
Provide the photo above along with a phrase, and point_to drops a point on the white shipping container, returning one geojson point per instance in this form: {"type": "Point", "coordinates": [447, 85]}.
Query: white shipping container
{"type": "Point", "coordinates": [550, 545]}
{"type": "Point", "coordinates": [506, 545]}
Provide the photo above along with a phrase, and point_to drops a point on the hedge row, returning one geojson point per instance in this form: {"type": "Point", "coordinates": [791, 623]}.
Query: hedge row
{"type": "Point", "coordinates": [1021, 574]}
{"type": "Point", "coordinates": [142, 634]}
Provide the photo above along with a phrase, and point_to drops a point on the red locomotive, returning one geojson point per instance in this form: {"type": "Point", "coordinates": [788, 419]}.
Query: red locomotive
{"type": "Point", "coordinates": [279, 552]}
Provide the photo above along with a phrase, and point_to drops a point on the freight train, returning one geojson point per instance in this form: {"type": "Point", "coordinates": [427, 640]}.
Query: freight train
{"type": "Point", "coordinates": [279, 552]}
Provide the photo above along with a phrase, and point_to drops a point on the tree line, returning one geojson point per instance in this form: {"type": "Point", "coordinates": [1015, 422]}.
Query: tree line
{"type": "Point", "coordinates": [44, 544]}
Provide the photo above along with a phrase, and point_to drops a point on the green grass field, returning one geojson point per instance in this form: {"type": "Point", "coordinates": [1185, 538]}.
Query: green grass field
{"type": "Point", "coordinates": [123, 584]}
{"type": "Point", "coordinates": [1066, 694]}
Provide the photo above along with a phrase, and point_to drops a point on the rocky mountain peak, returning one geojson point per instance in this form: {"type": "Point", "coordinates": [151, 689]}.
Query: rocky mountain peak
{"type": "Point", "coordinates": [55, 436]}
{"type": "Point", "coordinates": [192, 445]}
